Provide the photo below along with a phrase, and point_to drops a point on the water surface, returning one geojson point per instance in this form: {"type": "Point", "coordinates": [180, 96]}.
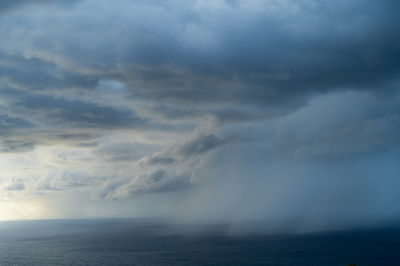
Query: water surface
{"type": "Point", "coordinates": [139, 242]}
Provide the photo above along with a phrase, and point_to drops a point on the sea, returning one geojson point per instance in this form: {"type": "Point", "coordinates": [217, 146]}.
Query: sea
{"type": "Point", "coordinates": [144, 242]}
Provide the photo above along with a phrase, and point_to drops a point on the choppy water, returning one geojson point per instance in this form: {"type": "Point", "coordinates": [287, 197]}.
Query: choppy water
{"type": "Point", "coordinates": [127, 242]}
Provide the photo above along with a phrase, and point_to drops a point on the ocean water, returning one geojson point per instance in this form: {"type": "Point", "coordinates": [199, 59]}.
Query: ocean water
{"type": "Point", "coordinates": [139, 242]}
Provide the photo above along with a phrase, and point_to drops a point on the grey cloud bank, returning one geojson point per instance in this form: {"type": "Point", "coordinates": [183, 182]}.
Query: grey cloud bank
{"type": "Point", "coordinates": [232, 110]}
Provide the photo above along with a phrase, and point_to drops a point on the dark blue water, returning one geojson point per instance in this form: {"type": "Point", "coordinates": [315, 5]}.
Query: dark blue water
{"type": "Point", "coordinates": [128, 242]}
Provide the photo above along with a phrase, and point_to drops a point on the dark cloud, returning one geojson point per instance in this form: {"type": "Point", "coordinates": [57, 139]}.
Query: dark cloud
{"type": "Point", "coordinates": [12, 5]}
{"type": "Point", "coordinates": [35, 74]}
{"type": "Point", "coordinates": [181, 152]}
{"type": "Point", "coordinates": [195, 56]}
{"type": "Point", "coordinates": [16, 146]}
{"type": "Point", "coordinates": [9, 123]}
{"type": "Point", "coordinates": [317, 48]}
{"type": "Point", "coordinates": [79, 113]}
{"type": "Point", "coordinates": [155, 182]}
{"type": "Point", "coordinates": [8, 4]}
{"type": "Point", "coordinates": [249, 103]}
{"type": "Point", "coordinates": [161, 181]}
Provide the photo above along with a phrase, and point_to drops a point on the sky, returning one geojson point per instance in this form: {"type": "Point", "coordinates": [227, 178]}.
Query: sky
{"type": "Point", "coordinates": [222, 111]}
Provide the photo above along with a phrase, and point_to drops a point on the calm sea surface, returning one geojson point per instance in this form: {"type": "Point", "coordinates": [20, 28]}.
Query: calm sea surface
{"type": "Point", "coordinates": [128, 242]}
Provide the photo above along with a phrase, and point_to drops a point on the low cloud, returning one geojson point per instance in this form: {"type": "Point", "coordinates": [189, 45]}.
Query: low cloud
{"type": "Point", "coordinates": [181, 152]}
{"type": "Point", "coordinates": [155, 182]}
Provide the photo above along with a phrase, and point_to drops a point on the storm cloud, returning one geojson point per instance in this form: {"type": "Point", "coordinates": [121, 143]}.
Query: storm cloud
{"type": "Point", "coordinates": [232, 110]}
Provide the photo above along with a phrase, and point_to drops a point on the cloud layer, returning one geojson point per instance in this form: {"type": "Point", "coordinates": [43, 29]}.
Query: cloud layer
{"type": "Point", "coordinates": [233, 110]}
